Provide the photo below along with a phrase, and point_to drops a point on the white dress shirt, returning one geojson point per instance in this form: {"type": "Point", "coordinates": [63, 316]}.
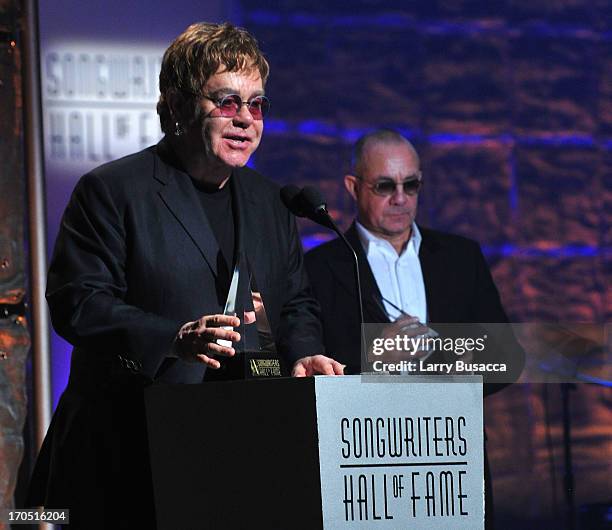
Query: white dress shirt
{"type": "Point", "coordinates": [399, 278]}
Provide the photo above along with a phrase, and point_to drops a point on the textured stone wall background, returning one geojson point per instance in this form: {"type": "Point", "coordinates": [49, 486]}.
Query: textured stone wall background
{"type": "Point", "coordinates": [14, 339]}
{"type": "Point", "coordinates": [509, 104]}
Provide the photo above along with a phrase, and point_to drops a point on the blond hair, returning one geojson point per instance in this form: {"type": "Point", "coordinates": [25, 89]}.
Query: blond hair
{"type": "Point", "coordinates": [197, 54]}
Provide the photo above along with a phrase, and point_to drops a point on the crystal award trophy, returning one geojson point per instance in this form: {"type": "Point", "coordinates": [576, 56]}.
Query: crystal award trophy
{"type": "Point", "coordinates": [256, 354]}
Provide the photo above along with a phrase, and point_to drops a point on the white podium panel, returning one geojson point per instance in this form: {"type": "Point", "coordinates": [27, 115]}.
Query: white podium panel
{"type": "Point", "coordinates": [412, 457]}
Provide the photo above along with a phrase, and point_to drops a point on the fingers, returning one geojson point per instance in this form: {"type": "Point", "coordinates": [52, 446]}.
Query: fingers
{"type": "Point", "coordinates": [321, 365]}
{"type": "Point", "coordinates": [214, 349]}
{"type": "Point", "coordinates": [406, 319]}
{"type": "Point", "coordinates": [217, 349]}
{"type": "Point", "coordinates": [209, 361]}
{"type": "Point", "coordinates": [219, 320]}
{"type": "Point", "coordinates": [338, 367]}
{"type": "Point", "coordinates": [214, 327]}
{"type": "Point", "coordinates": [205, 343]}
{"type": "Point", "coordinates": [406, 322]}
{"type": "Point", "coordinates": [327, 366]}
{"type": "Point", "coordinates": [198, 341]}
{"type": "Point", "coordinates": [299, 370]}
{"type": "Point", "coordinates": [317, 364]}
{"type": "Point", "coordinates": [212, 334]}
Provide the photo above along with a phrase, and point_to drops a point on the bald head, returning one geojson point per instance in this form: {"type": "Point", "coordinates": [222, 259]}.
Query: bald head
{"type": "Point", "coordinates": [385, 157]}
{"type": "Point", "coordinates": [375, 139]}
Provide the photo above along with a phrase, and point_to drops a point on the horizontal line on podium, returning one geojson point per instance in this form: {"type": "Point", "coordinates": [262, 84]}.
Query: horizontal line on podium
{"type": "Point", "coordinates": [403, 464]}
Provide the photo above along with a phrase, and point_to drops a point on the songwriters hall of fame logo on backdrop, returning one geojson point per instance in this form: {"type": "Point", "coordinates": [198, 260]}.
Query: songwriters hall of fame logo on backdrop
{"type": "Point", "coordinates": [99, 102]}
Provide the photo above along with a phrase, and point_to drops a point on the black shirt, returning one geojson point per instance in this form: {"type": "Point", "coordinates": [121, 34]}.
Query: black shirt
{"type": "Point", "coordinates": [217, 204]}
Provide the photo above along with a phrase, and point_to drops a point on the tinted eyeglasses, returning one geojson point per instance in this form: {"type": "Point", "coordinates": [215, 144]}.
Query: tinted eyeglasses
{"type": "Point", "coordinates": [231, 104]}
{"type": "Point", "coordinates": [385, 187]}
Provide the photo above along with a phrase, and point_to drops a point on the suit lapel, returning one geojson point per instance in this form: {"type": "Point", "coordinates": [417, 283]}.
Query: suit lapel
{"type": "Point", "coordinates": [179, 196]}
{"type": "Point", "coordinates": [433, 269]}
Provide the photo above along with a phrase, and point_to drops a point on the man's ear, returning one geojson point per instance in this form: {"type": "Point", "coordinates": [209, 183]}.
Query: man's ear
{"type": "Point", "coordinates": [350, 183]}
{"type": "Point", "coordinates": [176, 106]}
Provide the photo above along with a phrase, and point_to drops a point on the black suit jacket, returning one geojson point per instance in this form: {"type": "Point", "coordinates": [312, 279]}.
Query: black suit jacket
{"type": "Point", "coordinates": [134, 260]}
{"type": "Point", "coordinates": [458, 288]}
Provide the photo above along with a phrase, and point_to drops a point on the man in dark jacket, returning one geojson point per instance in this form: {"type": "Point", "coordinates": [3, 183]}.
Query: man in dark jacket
{"type": "Point", "coordinates": [141, 271]}
{"type": "Point", "coordinates": [408, 273]}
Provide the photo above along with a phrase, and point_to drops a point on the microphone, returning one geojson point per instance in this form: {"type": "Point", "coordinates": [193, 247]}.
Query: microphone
{"type": "Point", "coordinates": [289, 195]}
{"type": "Point", "coordinates": [309, 203]}
{"type": "Point", "coordinates": [313, 199]}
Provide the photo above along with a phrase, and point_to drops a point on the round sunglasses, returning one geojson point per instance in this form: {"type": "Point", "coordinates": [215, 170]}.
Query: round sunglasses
{"type": "Point", "coordinates": [231, 104]}
{"type": "Point", "coordinates": [385, 187]}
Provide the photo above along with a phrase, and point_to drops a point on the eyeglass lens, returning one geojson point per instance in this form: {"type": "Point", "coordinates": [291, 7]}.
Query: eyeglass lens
{"type": "Point", "coordinates": [387, 187]}
{"type": "Point", "coordinates": [231, 105]}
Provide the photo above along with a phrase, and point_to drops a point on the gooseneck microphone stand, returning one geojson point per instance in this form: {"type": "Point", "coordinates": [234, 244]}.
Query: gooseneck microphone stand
{"type": "Point", "coordinates": [309, 203]}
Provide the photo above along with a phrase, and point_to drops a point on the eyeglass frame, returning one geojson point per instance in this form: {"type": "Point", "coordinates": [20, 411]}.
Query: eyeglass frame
{"type": "Point", "coordinates": [219, 99]}
{"type": "Point", "coordinates": [416, 177]}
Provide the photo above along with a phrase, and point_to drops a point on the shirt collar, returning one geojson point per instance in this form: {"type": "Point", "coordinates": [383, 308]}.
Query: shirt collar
{"type": "Point", "coordinates": [367, 238]}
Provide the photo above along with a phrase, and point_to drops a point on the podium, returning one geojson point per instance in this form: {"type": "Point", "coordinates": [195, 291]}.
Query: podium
{"type": "Point", "coordinates": [362, 452]}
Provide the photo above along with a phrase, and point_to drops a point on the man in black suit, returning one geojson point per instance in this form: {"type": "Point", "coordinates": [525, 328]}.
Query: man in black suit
{"type": "Point", "coordinates": [408, 272]}
{"type": "Point", "coordinates": [142, 268]}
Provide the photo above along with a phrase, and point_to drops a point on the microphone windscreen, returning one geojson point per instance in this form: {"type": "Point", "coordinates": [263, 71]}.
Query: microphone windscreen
{"type": "Point", "coordinates": [287, 194]}
{"type": "Point", "coordinates": [313, 198]}
{"type": "Point", "coordinates": [290, 196]}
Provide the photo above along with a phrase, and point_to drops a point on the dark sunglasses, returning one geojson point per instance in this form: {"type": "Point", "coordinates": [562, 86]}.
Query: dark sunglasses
{"type": "Point", "coordinates": [386, 187]}
{"type": "Point", "coordinates": [231, 104]}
